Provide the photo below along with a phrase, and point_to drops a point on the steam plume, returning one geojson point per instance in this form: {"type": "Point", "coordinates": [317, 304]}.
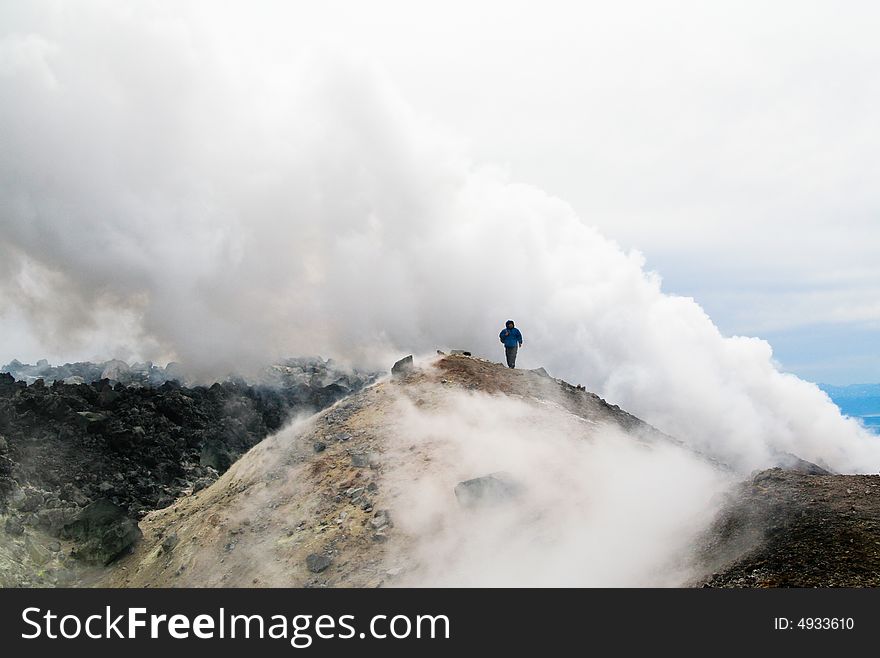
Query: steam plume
{"type": "Point", "coordinates": [165, 202]}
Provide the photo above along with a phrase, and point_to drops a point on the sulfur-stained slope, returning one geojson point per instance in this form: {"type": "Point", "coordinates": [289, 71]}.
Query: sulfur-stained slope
{"type": "Point", "coordinates": [362, 494]}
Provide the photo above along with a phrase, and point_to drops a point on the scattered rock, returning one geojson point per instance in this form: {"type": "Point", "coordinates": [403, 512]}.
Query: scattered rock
{"type": "Point", "coordinates": [319, 446]}
{"type": "Point", "coordinates": [461, 353]}
{"type": "Point", "coordinates": [170, 542]}
{"type": "Point", "coordinates": [317, 563]}
{"type": "Point", "coordinates": [14, 526]}
{"type": "Point", "coordinates": [362, 459]}
{"type": "Point", "coordinates": [381, 519]}
{"type": "Point", "coordinates": [53, 519]}
{"type": "Point", "coordinates": [74, 495]}
{"type": "Point", "coordinates": [28, 500]}
{"type": "Point", "coordinates": [202, 483]}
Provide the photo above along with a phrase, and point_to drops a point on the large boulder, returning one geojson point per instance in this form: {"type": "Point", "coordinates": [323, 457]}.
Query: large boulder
{"type": "Point", "coordinates": [102, 531]}
{"type": "Point", "coordinates": [403, 366]}
{"type": "Point", "coordinates": [487, 490]}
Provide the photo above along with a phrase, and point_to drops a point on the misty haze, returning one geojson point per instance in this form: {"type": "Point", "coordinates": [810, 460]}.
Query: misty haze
{"type": "Point", "coordinates": [254, 262]}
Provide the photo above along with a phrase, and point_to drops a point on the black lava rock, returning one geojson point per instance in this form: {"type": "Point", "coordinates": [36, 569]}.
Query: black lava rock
{"type": "Point", "coordinates": [137, 436]}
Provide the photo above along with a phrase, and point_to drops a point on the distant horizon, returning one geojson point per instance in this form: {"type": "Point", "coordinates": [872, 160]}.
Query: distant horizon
{"type": "Point", "coordinates": [4, 363]}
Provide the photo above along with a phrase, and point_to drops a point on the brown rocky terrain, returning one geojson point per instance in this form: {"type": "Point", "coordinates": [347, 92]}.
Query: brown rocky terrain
{"type": "Point", "coordinates": [328, 501]}
{"type": "Point", "coordinates": [785, 528]}
{"type": "Point", "coordinates": [315, 505]}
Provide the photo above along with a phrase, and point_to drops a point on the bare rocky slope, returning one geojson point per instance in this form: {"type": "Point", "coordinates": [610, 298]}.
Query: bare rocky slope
{"type": "Point", "coordinates": [315, 504]}
{"type": "Point", "coordinates": [363, 493]}
{"type": "Point", "coordinates": [784, 528]}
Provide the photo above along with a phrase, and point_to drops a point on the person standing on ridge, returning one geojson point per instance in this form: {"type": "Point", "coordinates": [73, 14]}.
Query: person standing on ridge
{"type": "Point", "coordinates": [512, 339]}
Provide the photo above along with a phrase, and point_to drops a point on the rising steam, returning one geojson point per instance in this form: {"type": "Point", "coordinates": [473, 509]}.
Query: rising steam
{"type": "Point", "coordinates": [176, 204]}
{"type": "Point", "coordinates": [593, 508]}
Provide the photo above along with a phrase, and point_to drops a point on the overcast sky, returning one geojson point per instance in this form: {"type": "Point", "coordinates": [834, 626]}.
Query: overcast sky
{"type": "Point", "coordinates": [735, 144]}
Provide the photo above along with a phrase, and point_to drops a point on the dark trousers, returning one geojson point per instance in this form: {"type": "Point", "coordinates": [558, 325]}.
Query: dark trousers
{"type": "Point", "coordinates": [510, 353]}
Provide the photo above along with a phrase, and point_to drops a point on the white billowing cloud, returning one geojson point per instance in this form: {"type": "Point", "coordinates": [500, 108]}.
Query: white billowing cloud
{"type": "Point", "coordinates": [234, 212]}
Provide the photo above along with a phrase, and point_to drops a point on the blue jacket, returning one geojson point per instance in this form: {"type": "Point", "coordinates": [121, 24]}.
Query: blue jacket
{"type": "Point", "coordinates": [510, 337]}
